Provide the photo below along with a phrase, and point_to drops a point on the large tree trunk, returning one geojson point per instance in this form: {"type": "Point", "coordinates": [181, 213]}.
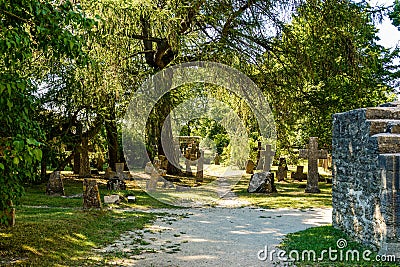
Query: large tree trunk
{"type": "Point", "coordinates": [164, 120]}
{"type": "Point", "coordinates": [84, 169]}
{"type": "Point", "coordinates": [77, 160]}
{"type": "Point", "coordinates": [112, 140]}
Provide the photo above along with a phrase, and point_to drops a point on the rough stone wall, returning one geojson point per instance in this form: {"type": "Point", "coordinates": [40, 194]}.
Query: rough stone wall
{"type": "Point", "coordinates": [366, 164]}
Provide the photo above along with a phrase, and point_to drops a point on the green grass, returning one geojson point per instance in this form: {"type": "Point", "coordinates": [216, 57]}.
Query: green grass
{"type": "Point", "coordinates": [322, 238]}
{"type": "Point", "coordinates": [55, 231]}
{"type": "Point", "coordinates": [289, 195]}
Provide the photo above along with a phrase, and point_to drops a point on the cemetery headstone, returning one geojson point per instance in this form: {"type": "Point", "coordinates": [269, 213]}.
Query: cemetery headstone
{"type": "Point", "coordinates": [216, 159]}
{"type": "Point", "coordinates": [116, 184]}
{"type": "Point", "coordinates": [151, 184]}
{"type": "Point", "coordinates": [262, 182]}
{"type": "Point", "coordinates": [119, 168]}
{"type": "Point", "coordinates": [91, 195]}
{"type": "Point", "coordinates": [268, 155]}
{"type": "Point", "coordinates": [148, 168]}
{"type": "Point", "coordinates": [109, 173]}
{"type": "Point", "coordinates": [250, 167]}
{"type": "Point", "coordinates": [112, 199]}
{"type": "Point", "coordinates": [281, 174]}
{"type": "Point", "coordinates": [55, 184]}
{"type": "Point", "coordinates": [188, 168]}
{"type": "Point", "coordinates": [299, 175]}
{"type": "Point", "coordinates": [131, 199]}
{"type": "Point", "coordinates": [313, 154]}
{"type": "Point", "coordinates": [200, 166]}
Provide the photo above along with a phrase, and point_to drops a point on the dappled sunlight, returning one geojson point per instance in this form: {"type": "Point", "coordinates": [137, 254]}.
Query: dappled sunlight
{"type": "Point", "coordinates": [31, 249]}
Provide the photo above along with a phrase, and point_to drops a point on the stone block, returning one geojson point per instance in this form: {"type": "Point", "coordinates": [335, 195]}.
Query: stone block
{"type": "Point", "coordinates": [112, 199]}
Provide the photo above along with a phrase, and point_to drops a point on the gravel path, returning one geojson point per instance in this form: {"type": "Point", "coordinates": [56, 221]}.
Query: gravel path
{"type": "Point", "coordinates": [217, 236]}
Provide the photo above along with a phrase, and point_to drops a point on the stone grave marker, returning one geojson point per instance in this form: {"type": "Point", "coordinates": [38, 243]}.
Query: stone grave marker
{"type": "Point", "coordinates": [112, 199]}
{"type": "Point", "coordinates": [55, 184]}
{"type": "Point", "coordinates": [119, 168]}
{"type": "Point", "coordinates": [262, 182]}
{"type": "Point", "coordinates": [281, 174]}
{"type": "Point", "coordinates": [250, 167]}
{"type": "Point", "coordinates": [200, 167]}
{"type": "Point", "coordinates": [268, 154]}
{"type": "Point", "coordinates": [216, 159]}
{"type": "Point", "coordinates": [299, 175]}
{"type": "Point", "coordinates": [109, 173]}
{"type": "Point", "coordinates": [151, 185]}
{"type": "Point", "coordinates": [116, 184]}
{"type": "Point", "coordinates": [188, 168]}
{"type": "Point", "coordinates": [148, 168]}
{"type": "Point", "coordinates": [313, 154]}
{"type": "Point", "coordinates": [91, 195]}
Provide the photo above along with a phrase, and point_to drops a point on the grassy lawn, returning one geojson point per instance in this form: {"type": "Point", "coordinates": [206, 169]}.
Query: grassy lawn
{"type": "Point", "coordinates": [55, 231]}
{"type": "Point", "coordinates": [290, 195]}
{"type": "Point", "coordinates": [322, 238]}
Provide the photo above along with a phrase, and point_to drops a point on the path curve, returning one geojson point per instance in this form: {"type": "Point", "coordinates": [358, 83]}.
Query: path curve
{"type": "Point", "coordinates": [214, 236]}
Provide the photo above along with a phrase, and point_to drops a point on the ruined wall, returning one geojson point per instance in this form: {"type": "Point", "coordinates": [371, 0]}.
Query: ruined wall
{"type": "Point", "coordinates": [366, 160]}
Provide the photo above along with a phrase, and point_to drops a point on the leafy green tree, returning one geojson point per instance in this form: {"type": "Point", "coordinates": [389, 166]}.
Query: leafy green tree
{"type": "Point", "coordinates": [30, 31]}
{"type": "Point", "coordinates": [394, 15]}
{"type": "Point", "coordinates": [326, 61]}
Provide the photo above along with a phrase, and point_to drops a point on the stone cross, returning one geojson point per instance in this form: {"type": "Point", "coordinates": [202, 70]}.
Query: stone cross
{"type": "Point", "coordinates": [268, 154]}
{"type": "Point", "coordinates": [313, 154]}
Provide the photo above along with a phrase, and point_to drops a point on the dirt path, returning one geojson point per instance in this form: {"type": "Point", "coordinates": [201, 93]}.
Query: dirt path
{"type": "Point", "coordinates": [213, 236]}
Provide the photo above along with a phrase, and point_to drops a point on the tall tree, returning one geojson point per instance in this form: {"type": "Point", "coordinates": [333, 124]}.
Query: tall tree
{"type": "Point", "coordinates": [326, 61]}
{"type": "Point", "coordinates": [30, 30]}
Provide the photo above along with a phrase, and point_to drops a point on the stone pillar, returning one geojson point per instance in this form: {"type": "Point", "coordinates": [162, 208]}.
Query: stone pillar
{"type": "Point", "coordinates": [55, 184]}
{"type": "Point", "coordinates": [200, 167]}
{"type": "Point", "coordinates": [91, 194]}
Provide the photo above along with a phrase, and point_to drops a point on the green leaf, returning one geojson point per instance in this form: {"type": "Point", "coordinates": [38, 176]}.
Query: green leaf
{"type": "Point", "coordinates": [38, 153]}
{"type": "Point", "coordinates": [31, 141]}
{"type": "Point", "coordinates": [2, 166]}
{"type": "Point", "coordinates": [16, 160]}
{"type": "Point", "coordinates": [9, 104]}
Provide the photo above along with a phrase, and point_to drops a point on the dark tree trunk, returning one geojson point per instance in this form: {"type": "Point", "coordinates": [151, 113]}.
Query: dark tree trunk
{"type": "Point", "coordinates": [84, 169]}
{"type": "Point", "coordinates": [112, 140]}
{"type": "Point", "coordinates": [77, 160]}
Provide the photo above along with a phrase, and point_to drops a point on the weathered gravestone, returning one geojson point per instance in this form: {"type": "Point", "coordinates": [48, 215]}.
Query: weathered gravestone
{"type": "Point", "coordinates": [109, 173]}
{"type": "Point", "coordinates": [262, 182]}
{"type": "Point", "coordinates": [216, 159]}
{"type": "Point", "coordinates": [119, 169]}
{"type": "Point", "coordinates": [91, 195]}
{"type": "Point", "coordinates": [55, 184]}
{"type": "Point", "coordinates": [281, 174]}
{"type": "Point", "coordinates": [188, 168]}
{"type": "Point", "coordinates": [313, 154]}
{"type": "Point", "coordinates": [268, 155]}
{"type": "Point", "coordinates": [116, 184]}
{"type": "Point", "coordinates": [250, 166]}
{"type": "Point", "coordinates": [299, 175]}
{"type": "Point", "coordinates": [200, 167]}
{"type": "Point", "coordinates": [148, 168]}
{"type": "Point", "coordinates": [112, 199]}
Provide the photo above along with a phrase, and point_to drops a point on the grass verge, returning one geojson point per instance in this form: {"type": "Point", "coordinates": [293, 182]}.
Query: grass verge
{"type": "Point", "coordinates": [55, 231]}
{"type": "Point", "coordinates": [290, 195]}
{"type": "Point", "coordinates": [318, 239]}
